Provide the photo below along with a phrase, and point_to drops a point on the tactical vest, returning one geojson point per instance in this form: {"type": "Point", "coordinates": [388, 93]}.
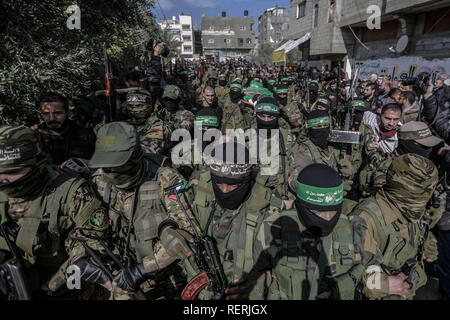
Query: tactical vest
{"type": "Point", "coordinates": [236, 246]}
{"type": "Point", "coordinates": [310, 269]}
{"type": "Point", "coordinates": [319, 156]}
{"type": "Point", "coordinates": [43, 229]}
{"type": "Point", "coordinates": [148, 213]}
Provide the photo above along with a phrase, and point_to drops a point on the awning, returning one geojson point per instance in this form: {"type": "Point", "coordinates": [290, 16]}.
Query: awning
{"type": "Point", "coordinates": [288, 46]}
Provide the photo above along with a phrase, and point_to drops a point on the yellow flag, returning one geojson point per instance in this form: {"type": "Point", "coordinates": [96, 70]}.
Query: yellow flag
{"type": "Point", "coordinates": [278, 56]}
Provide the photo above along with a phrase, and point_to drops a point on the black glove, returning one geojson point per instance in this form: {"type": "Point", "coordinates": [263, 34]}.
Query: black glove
{"type": "Point", "coordinates": [91, 271]}
{"type": "Point", "coordinates": [130, 278]}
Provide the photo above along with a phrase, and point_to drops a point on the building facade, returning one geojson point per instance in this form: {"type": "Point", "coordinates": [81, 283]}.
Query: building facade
{"type": "Point", "coordinates": [181, 30]}
{"type": "Point", "coordinates": [273, 26]}
{"type": "Point", "coordinates": [348, 30]}
{"type": "Point", "coordinates": [225, 37]}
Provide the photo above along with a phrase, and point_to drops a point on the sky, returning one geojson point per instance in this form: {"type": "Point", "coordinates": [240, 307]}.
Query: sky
{"type": "Point", "coordinates": [233, 8]}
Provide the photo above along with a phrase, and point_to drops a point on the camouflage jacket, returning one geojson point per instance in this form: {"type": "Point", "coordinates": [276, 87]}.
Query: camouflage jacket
{"type": "Point", "coordinates": [182, 119]}
{"type": "Point", "coordinates": [237, 232]}
{"type": "Point", "coordinates": [155, 135]}
{"type": "Point", "coordinates": [41, 226]}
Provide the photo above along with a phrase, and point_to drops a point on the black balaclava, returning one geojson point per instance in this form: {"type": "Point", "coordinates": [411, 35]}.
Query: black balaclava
{"type": "Point", "coordinates": [171, 105]}
{"type": "Point", "coordinates": [318, 136]}
{"type": "Point", "coordinates": [411, 146]}
{"type": "Point", "coordinates": [231, 173]}
{"type": "Point", "coordinates": [267, 106]}
{"type": "Point", "coordinates": [284, 90]}
{"type": "Point", "coordinates": [235, 95]}
{"type": "Point", "coordinates": [222, 83]}
{"type": "Point", "coordinates": [319, 187]}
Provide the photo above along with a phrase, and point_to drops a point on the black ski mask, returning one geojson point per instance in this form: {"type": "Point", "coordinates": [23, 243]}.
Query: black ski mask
{"type": "Point", "coordinates": [235, 96]}
{"type": "Point", "coordinates": [317, 226]}
{"type": "Point", "coordinates": [231, 200]}
{"type": "Point", "coordinates": [171, 105]}
{"type": "Point", "coordinates": [261, 124]}
{"type": "Point", "coordinates": [222, 83]}
{"type": "Point", "coordinates": [319, 187]}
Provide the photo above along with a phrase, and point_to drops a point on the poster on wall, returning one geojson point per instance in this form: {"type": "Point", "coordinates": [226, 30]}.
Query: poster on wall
{"type": "Point", "coordinates": [403, 67]}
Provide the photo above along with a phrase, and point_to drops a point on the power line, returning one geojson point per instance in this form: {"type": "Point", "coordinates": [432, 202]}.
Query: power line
{"type": "Point", "coordinates": [159, 5]}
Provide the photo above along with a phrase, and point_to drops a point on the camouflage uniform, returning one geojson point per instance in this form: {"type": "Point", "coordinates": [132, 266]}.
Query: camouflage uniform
{"type": "Point", "coordinates": [309, 266]}
{"type": "Point", "coordinates": [221, 91]}
{"type": "Point", "coordinates": [305, 152]}
{"type": "Point", "coordinates": [181, 119]}
{"type": "Point", "coordinates": [154, 133]}
{"type": "Point", "coordinates": [40, 209]}
{"type": "Point", "coordinates": [143, 201]}
{"type": "Point", "coordinates": [396, 226]}
{"type": "Point", "coordinates": [234, 230]}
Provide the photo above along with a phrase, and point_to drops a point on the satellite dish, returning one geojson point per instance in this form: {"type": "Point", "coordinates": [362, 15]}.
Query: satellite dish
{"type": "Point", "coordinates": [402, 43]}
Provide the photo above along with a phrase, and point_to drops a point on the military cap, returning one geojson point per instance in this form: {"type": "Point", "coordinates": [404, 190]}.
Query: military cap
{"type": "Point", "coordinates": [116, 142]}
{"type": "Point", "coordinates": [171, 92]}
{"type": "Point", "coordinates": [419, 132]}
{"type": "Point", "coordinates": [20, 147]}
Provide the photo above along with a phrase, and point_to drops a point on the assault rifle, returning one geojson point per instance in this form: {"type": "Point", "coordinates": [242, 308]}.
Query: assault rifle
{"type": "Point", "coordinates": [206, 256]}
{"type": "Point", "coordinates": [139, 294]}
{"type": "Point", "coordinates": [14, 271]}
{"type": "Point", "coordinates": [346, 137]}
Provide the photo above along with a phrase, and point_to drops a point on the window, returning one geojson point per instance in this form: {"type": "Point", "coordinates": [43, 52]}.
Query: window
{"type": "Point", "coordinates": [211, 41]}
{"type": "Point", "coordinates": [242, 28]}
{"type": "Point", "coordinates": [331, 11]}
{"type": "Point", "coordinates": [227, 28]}
{"type": "Point", "coordinates": [186, 27]}
{"type": "Point", "coordinates": [249, 41]}
{"type": "Point", "coordinates": [316, 15]}
{"type": "Point", "coordinates": [187, 48]}
{"type": "Point", "coordinates": [211, 28]}
{"type": "Point", "coordinates": [301, 9]}
{"type": "Point", "coordinates": [228, 40]}
{"type": "Point", "coordinates": [187, 38]}
{"type": "Point", "coordinates": [240, 42]}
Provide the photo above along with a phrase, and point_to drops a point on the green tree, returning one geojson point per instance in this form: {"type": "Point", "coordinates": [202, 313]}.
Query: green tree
{"type": "Point", "coordinates": [38, 53]}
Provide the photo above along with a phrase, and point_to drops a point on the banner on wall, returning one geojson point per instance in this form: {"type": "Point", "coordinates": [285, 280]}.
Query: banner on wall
{"type": "Point", "coordinates": [403, 67]}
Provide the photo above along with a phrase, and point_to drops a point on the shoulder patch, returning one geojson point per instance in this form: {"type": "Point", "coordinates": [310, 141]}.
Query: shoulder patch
{"type": "Point", "coordinates": [98, 218]}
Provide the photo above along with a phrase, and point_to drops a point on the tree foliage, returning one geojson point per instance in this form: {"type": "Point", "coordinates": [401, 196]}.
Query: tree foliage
{"type": "Point", "coordinates": [39, 53]}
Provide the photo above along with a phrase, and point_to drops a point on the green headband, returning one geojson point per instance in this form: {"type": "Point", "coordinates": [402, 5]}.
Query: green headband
{"type": "Point", "coordinates": [359, 103]}
{"type": "Point", "coordinates": [284, 90]}
{"type": "Point", "coordinates": [322, 121]}
{"type": "Point", "coordinates": [284, 79]}
{"type": "Point", "coordinates": [321, 196]}
{"type": "Point", "coordinates": [267, 108]}
{"type": "Point", "coordinates": [271, 81]}
{"type": "Point", "coordinates": [235, 85]}
{"type": "Point", "coordinates": [207, 121]}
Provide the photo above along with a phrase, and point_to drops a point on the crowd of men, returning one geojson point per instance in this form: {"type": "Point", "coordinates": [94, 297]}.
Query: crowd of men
{"type": "Point", "coordinates": [358, 208]}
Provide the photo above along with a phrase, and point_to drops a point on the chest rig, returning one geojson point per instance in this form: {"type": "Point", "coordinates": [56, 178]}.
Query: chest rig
{"type": "Point", "coordinates": [135, 215]}
{"type": "Point", "coordinates": [310, 269]}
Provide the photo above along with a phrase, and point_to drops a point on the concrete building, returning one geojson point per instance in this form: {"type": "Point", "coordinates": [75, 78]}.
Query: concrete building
{"type": "Point", "coordinates": [273, 26]}
{"type": "Point", "coordinates": [347, 29]}
{"type": "Point", "coordinates": [181, 30]}
{"type": "Point", "coordinates": [198, 50]}
{"type": "Point", "coordinates": [227, 37]}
